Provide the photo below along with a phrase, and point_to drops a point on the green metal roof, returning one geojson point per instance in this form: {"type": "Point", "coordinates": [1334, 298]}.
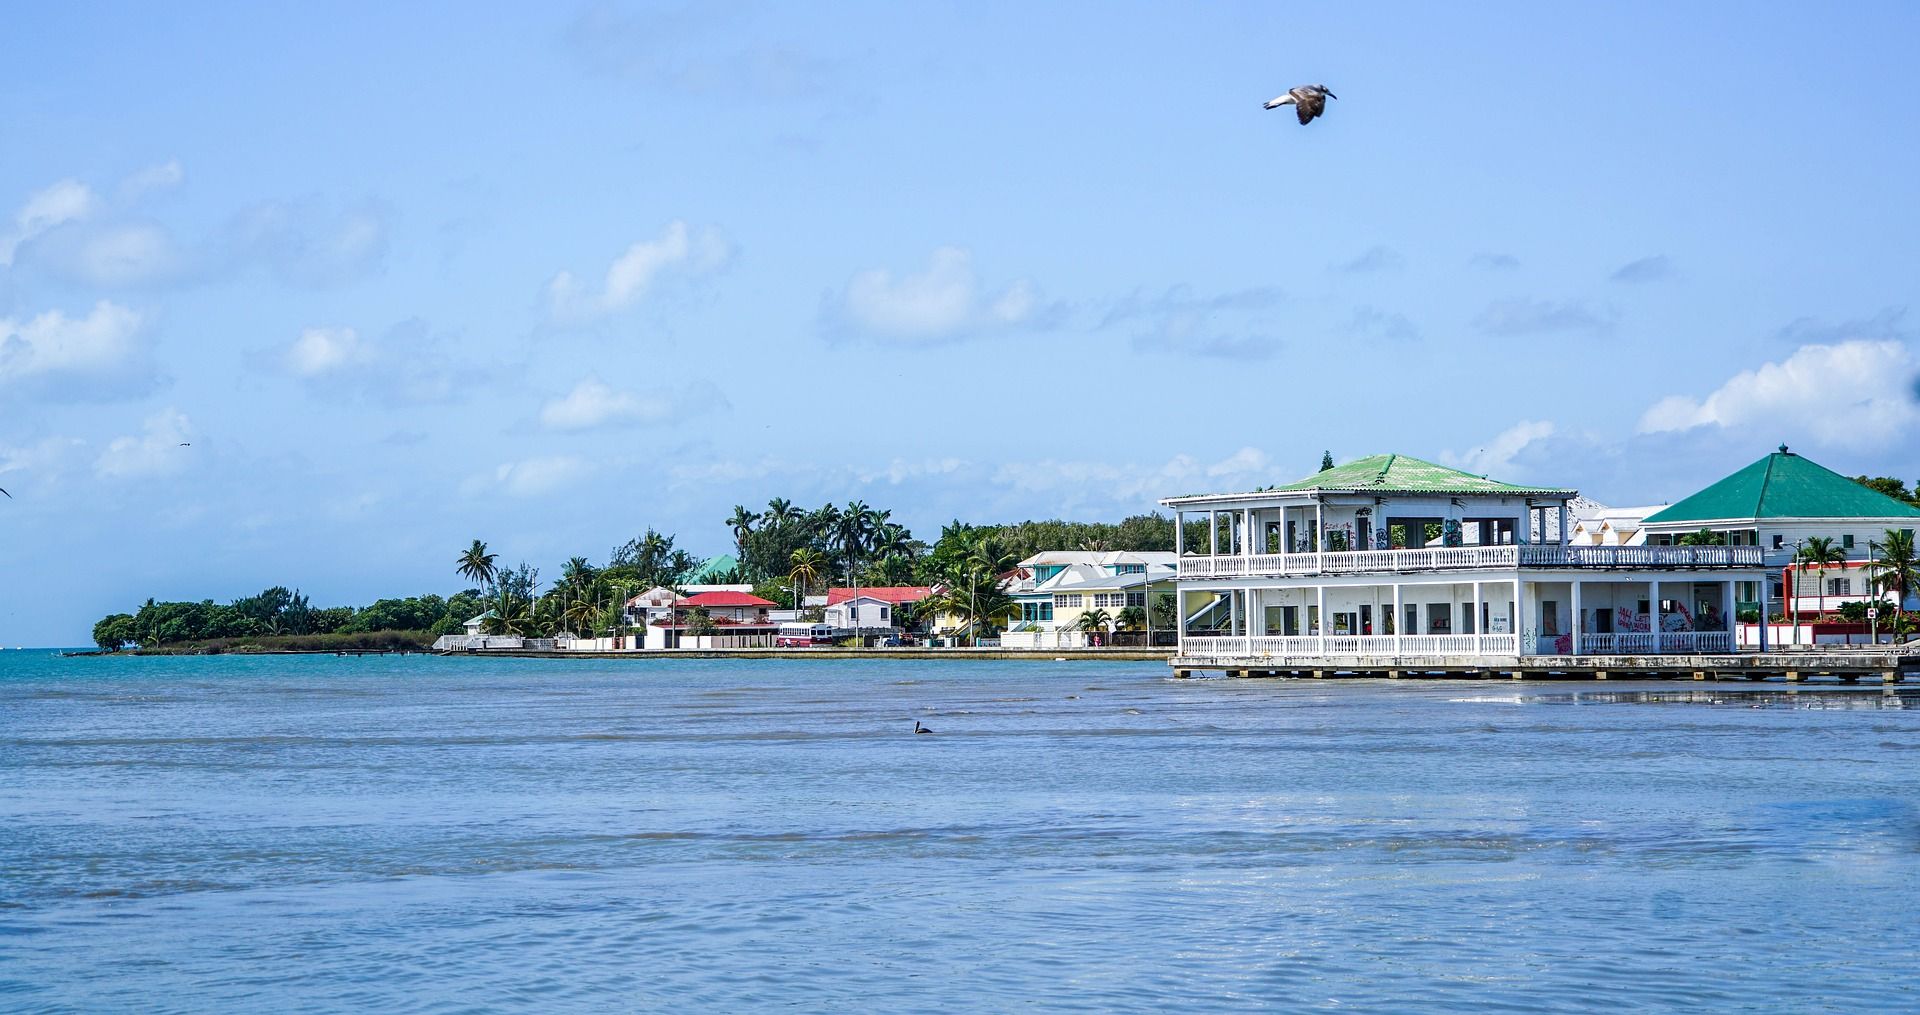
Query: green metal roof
{"type": "Point", "coordinates": [1784, 485]}
{"type": "Point", "coordinates": [712, 568]}
{"type": "Point", "coordinates": [1406, 474]}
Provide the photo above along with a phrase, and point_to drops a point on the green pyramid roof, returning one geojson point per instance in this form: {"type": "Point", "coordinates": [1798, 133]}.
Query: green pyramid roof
{"type": "Point", "coordinates": [1406, 474]}
{"type": "Point", "coordinates": [1784, 485]}
{"type": "Point", "coordinates": [711, 569]}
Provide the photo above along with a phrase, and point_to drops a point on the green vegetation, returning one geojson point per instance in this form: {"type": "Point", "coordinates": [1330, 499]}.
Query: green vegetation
{"type": "Point", "coordinates": [1895, 488]}
{"type": "Point", "coordinates": [783, 551]}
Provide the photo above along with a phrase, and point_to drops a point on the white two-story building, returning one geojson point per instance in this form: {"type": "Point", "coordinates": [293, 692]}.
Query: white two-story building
{"type": "Point", "coordinates": [1388, 561]}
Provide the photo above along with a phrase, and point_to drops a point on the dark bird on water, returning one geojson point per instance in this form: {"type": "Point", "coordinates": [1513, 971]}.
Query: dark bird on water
{"type": "Point", "coordinates": [1308, 101]}
{"type": "Point", "coordinates": [917, 728]}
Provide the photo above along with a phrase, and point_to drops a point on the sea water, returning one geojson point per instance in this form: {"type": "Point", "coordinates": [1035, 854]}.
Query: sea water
{"type": "Point", "coordinates": [427, 834]}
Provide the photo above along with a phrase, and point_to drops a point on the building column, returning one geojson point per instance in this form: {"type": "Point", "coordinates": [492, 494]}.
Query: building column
{"type": "Point", "coordinates": [1179, 536]}
{"type": "Point", "coordinates": [1766, 610]}
{"type": "Point", "coordinates": [1321, 628]}
{"type": "Point", "coordinates": [1246, 539]}
{"type": "Point", "coordinates": [1579, 622]}
{"type": "Point", "coordinates": [1399, 620]}
{"type": "Point", "coordinates": [1473, 609]}
{"type": "Point", "coordinates": [1727, 599]}
{"type": "Point", "coordinates": [1319, 525]}
{"type": "Point", "coordinates": [1519, 620]}
{"type": "Point", "coordinates": [1233, 614]}
{"type": "Point", "coordinates": [1564, 539]}
{"type": "Point", "coordinates": [1653, 614]}
{"type": "Point", "coordinates": [1213, 533]}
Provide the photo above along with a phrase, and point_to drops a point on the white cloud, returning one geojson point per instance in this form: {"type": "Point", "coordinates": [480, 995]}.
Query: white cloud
{"type": "Point", "coordinates": [634, 272]}
{"type": "Point", "coordinates": [592, 403]}
{"type": "Point", "coordinates": [163, 176]}
{"type": "Point", "coordinates": [1848, 392]}
{"type": "Point", "coordinates": [535, 476]}
{"type": "Point", "coordinates": [65, 201]}
{"type": "Point", "coordinates": [1496, 458]}
{"type": "Point", "coordinates": [408, 364]}
{"type": "Point", "coordinates": [111, 255]}
{"type": "Point", "coordinates": [320, 351]}
{"type": "Point", "coordinates": [899, 470]}
{"type": "Point", "coordinates": [943, 303]}
{"type": "Point", "coordinates": [155, 452]}
{"type": "Point", "coordinates": [47, 459]}
{"type": "Point", "coordinates": [53, 344]}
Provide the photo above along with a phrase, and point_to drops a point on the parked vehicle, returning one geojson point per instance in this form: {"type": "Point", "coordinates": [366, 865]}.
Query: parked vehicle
{"type": "Point", "coordinates": [803, 636]}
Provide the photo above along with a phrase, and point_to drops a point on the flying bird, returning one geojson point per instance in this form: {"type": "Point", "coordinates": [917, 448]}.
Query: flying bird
{"type": "Point", "coordinates": [9, 496]}
{"type": "Point", "coordinates": [1308, 101]}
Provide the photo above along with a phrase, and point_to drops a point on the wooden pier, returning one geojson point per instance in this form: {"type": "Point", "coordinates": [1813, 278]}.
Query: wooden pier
{"type": "Point", "coordinates": [1884, 664]}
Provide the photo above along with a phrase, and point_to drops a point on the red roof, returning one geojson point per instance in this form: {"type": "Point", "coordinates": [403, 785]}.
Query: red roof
{"type": "Point", "coordinates": [711, 599]}
{"type": "Point", "coordinates": [885, 594]}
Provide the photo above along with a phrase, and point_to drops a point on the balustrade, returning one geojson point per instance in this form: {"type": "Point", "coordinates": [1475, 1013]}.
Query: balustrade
{"type": "Point", "coordinates": [1467, 558]}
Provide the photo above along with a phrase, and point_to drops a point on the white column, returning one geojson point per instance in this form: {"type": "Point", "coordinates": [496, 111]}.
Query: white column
{"type": "Point", "coordinates": [1179, 535]}
{"type": "Point", "coordinates": [1474, 607]}
{"type": "Point", "coordinates": [1578, 624]}
{"type": "Point", "coordinates": [1246, 539]}
{"type": "Point", "coordinates": [1766, 610]}
{"type": "Point", "coordinates": [1399, 621]}
{"type": "Point", "coordinates": [1653, 614]}
{"type": "Point", "coordinates": [1726, 612]}
{"type": "Point", "coordinates": [1213, 533]}
{"type": "Point", "coordinates": [1319, 525]}
{"type": "Point", "coordinates": [1233, 613]}
{"type": "Point", "coordinates": [1519, 619]}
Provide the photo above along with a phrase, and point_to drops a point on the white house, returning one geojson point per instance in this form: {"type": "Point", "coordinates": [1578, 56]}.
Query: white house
{"type": "Point", "coordinates": [1779, 504]}
{"type": "Point", "coordinates": [873, 609]}
{"type": "Point", "coordinates": [1390, 560]}
{"type": "Point", "coordinates": [1056, 589]}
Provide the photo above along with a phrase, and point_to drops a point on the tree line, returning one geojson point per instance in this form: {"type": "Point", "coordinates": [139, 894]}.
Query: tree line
{"type": "Point", "coordinates": [785, 552]}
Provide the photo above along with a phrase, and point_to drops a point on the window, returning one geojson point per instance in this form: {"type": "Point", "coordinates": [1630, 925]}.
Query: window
{"type": "Point", "coordinates": [853, 612]}
{"type": "Point", "coordinates": [883, 614]}
{"type": "Point", "coordinates": [1068, 600]}
{"type": "Point", "coordinates": [1130, 569]}
{"type": "Point", "coordinates": [1846, 542]}
{"type": "Point", "coordinates": [1137, 599]}
{"type": "Point", "coordinates": [1110, 600]}
{"type": "Point", "coordinates": [1840, 586]}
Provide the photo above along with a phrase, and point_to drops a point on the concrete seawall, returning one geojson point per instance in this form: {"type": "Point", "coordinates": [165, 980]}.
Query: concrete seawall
{"type": "Point", "coordinates": [1028, 655]}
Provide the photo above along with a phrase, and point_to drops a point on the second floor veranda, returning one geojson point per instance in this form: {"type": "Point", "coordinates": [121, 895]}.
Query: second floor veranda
{"type": "Point", "coordinates": [1463, 558]}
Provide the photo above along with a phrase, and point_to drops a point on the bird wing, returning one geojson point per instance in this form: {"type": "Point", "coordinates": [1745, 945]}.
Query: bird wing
{"type": "Point", "coordinates": [9, 496]}
{"type": "Point", "coordinates": [1278, 101]}
{"type": "Point", "coordinates": [1310, 106]}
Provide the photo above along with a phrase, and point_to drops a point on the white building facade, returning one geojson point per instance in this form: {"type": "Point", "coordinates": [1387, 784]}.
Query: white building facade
{"type": "Point", "coordinates": [1390, 559]}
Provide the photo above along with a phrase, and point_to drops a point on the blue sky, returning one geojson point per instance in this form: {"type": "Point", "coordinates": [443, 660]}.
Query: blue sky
{"type": "Point", "coordinates": [406, 276]}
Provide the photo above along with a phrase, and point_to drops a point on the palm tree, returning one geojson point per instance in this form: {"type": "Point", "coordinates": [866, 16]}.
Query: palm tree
{"type": "Point", "coordinates": [807, 564]}
{"type": "Point", "coordinates": [1896, 570]}
{"type": "Point", "coordinates": [511, 614]}
{"type": "Point", "coordinates": [971, 589]}
{"type": "Point", "coordinates": [854, 527]}
{"type": "Point", "coordinates": [476, 565]}
{"type": "Point", "coordinates": [1819, 551]}
{"type": "Point", "coordinates": [577, 574]}
{"type": "Point", "coordinates": [1094, 622]}
{"type": "Point", "coordinates": [1132, 618]}
{"type": "Point", "coordinates": [741, 521]}
{"type": "Point", "coordinates": [891, 539]}
{"type": "Point", "coordinates": [781, 511]}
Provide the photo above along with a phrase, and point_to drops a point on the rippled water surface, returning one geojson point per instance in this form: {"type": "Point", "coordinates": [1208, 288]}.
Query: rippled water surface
{"type": "Point", "coordinates": [450, 834]}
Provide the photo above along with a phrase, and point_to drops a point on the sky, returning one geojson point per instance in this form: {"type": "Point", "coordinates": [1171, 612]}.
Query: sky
{"type": "Point", "coordinates": [314, 295]}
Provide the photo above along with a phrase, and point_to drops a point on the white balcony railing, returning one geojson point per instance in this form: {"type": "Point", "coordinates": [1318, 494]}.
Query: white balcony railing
{"type": "Point", "coordinates": [1270, 648]}
{"type": "Point", "coordinates": [1467, 558]}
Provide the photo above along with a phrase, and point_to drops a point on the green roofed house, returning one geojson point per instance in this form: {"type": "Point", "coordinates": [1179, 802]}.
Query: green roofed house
{"type": "Point", "coordinates": [1390, 561]}
{"type": "Point", "coordinates": [1779, 504]}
